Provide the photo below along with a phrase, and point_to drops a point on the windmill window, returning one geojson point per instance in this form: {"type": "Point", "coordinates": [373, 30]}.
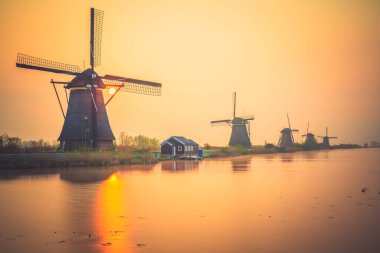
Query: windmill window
{"type": "Point", "coordinates": [185, 148]}
{"type": "Point", "coordinates": [179, 148]}
{"type": "Point", "coordinates": [192, 148]}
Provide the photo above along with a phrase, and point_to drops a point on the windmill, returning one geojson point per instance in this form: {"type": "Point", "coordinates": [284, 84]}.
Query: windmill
{"type": "Point", "coordinates": [241, 126]}
{"type": "Point", "coordinates": [286, 140]}
{"type": "Point", "coordinates": [86, 122]}
{"type": "Point", "coordinates": [310, 138]}
{"type": "Point", "coordinates": [326, 139]}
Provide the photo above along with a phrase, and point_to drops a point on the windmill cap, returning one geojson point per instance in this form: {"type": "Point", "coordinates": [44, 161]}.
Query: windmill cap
{"type": "Point", "coordinates": [86, 77]}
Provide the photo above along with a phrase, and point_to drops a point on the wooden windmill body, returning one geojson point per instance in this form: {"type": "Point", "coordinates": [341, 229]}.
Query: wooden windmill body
{"type": "Point", "coordinates": [286, 140]}
{"type": "Point", "coordinates": [310, 137]}
{"type": "Point", "coordinates": [86, 123]}
{"type": "Point", "coordinates": [240, 133]}
{"type": "Point", "coordinates": [326, 139]}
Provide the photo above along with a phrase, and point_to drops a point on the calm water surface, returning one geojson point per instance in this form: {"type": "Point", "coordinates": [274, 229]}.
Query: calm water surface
{"type": "Point", "coordinates": [302, 202]}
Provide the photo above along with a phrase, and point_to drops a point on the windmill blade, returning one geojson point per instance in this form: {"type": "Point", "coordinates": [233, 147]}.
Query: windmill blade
{"type": "Point", "coordinates": [333, 137]}
{"type": "Point", "coordinates": [234, 104]}
{"type": "Point", "coordinates": [133, 85]}
{"type": "Point", "coordinates": [248, 117]}
{"type": "Point", "coordinates": [96, 26]}
{"type": "Point", "coordinates": [320, 136]}
{"type": "Point", "coordinates": [221, 124]}
{"type": "Point", "coordinates": [30, 62]}
{"type": "Point", "coordinates": [131, 80]}
{"type": "Point", "coordinates": [287, 115]}
{"type": "Point", "coordinates": [221, 121]}
{"type": "Point", "coordinates": [295, 130]}
{"type": "Point", "coordinates": [249, 130]}
{"type": "Point", "coordinates": [307, 131]}
{"type": "Point", "coordinates": [304, 135]}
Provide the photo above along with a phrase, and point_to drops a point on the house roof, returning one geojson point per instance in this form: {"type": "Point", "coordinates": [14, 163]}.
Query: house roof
{"type": "Point", "coordinates": [193, 142]}
{"type": "Point", "coordinates": [179, 139]}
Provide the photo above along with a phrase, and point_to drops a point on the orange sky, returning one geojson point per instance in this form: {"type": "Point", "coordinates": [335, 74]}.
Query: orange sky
{"type": "Point", "coordinates": [317, 60]}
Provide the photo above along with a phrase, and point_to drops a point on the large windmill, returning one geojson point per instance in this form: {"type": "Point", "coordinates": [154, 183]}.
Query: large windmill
{"type": "Point", "coordinates": [86, 122]}
{"type": "Point", "coordinates": [310, 138]}
{"type": "Point", "coordinates": [326, 138]}
{"type": "Point", "coordinates": [241, 132]}
{"type": "Point", "coordinates": [286, 140]}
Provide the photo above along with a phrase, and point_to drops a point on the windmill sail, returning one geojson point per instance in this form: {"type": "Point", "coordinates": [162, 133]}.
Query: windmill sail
{"type": "Point", "coordinates": [96, 37]}
{"type": "Point", "coordinates": [133, 85]}
{"type": "Point", "coordinates": [30, 62]}
{"type": "Point", "coordinates": [221, 121]}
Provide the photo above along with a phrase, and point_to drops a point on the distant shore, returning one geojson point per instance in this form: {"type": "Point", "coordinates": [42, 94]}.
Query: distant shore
{"type": "Point", "coordinates": [238, 151]}
{"type": "Point", "coordinates": [58, 160]}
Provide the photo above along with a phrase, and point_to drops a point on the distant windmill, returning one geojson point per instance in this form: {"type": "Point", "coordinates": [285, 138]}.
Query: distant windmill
{"type": "Point", "coordinates": [286, 140]}
{"type": "Point", "coordinates": [326, 138]}
{"type": "Point", "coordinates": [86, 121]}
{"type": "Point", "coordinates": [241, 132]}
{"type": "Point", "coordinates": [310, 138]}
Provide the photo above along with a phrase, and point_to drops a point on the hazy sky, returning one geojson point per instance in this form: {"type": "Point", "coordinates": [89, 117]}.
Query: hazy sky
{"type": "Point", "coordinates": [317, 60]}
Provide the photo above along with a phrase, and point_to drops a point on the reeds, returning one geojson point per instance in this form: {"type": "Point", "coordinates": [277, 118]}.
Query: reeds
{"type": "Point", "coordinates": [67, 160]}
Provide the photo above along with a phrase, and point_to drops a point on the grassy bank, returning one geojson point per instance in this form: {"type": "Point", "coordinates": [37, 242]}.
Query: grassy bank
{"type": "Point", "coordinates": [236, 151]}
{"type": "Point", "coordinates": [67, 160]}
{"type": "Point", "coordinates": [239, 150]}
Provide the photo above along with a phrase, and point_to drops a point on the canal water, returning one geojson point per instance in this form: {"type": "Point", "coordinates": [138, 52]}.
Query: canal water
{"type": "Point", "coordinates": [299, 202]}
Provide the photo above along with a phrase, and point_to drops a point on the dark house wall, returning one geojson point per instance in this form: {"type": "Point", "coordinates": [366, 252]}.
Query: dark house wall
{"type": "Point", "coordinates": [195, 150]}
{"type": "Point", "coordinates": [174, 143]}
{"type": "Point", "coordinates": [177, 144]}
{"type": "Point", "coordinates": [166, 149]}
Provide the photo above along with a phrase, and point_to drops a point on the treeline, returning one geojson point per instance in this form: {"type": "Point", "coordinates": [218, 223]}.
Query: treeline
{"type": "Point", "coordinates": [140, 142]}
{"type": "Point", "coordinates": [15, 145]}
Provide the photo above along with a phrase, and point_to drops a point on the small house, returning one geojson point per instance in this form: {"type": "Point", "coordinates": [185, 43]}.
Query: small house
{"type": "Point", "coordinates": [178, 146]}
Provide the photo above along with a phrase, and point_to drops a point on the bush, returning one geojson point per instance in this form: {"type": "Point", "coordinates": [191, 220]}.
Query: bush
{"type": "Point", "coordinates": [207, 146]}
{"type": "Point", "coordinates": [10, 145]}
{"type": "Point", "coordinates": [139, 142]}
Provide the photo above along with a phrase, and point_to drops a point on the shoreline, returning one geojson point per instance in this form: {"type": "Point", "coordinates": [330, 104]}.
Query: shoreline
{"type": "Point", "coordinates": [55, 160]}
{"type": "Point", "coordinates": [28, 161]}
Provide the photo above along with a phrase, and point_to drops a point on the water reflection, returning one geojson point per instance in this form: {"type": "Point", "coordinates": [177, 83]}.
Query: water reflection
{"type": "Point", "coordinates": [241, 163]}
{"type": "Point", "coordinates": [270, 157]}
{"type": "Point", "coordinates": [138, 167]}
{"type": "Point", "coordinates": [86, 175]}
{"type": "Point", "coordinates": [111, 217]}
{"type": "Point", "coordinates": [179, 166]}
{"type": "Point", "coordinates": [74, 175]}
{"type": "Point", "coordinates": [309, 155]}
{"type": "Point", "coordinates": [142, 209]}
{"type": "Point", "coordinates": [287, 157]}
{"type": "Point", "coordinates": [32, 174]}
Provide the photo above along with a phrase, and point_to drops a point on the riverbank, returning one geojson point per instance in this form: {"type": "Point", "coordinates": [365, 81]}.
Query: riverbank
{"type": "Point", "coordinates": [68, 160]}
{"type": "Point", "coordinates": [52, 160]}
{"type": "Point", "coordinates": [238, 151]}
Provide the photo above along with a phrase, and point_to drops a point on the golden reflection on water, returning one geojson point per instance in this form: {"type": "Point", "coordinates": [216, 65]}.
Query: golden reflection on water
{"type": "Point", "coordinates": [111, 216]}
